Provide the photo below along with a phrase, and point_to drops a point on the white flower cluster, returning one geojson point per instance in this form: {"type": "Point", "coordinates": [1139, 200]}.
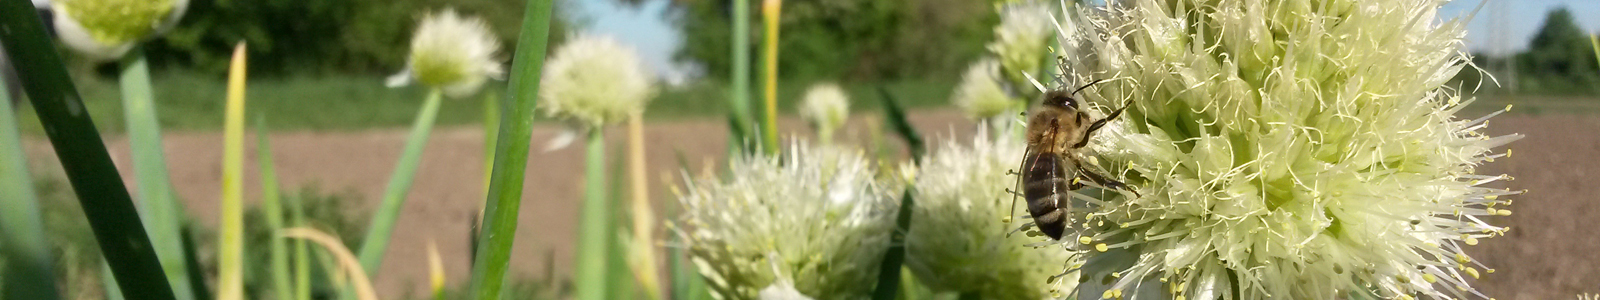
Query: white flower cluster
{"type": "Point", "coordinates": [1284, 150]}
{"type": "Point", "coordinates": [453, 53]}
{"type": "Point", "coordinates": [826, 107]}
{"type": "Point", "coordinates": [816, 216]}
{"type": "Point", "coordinates": [956, 242]}
{"type": "Point", "coordinates": [594, 81]}
{"type": "Point", "coordinates": [1020, 40]}
{"type": "Point", "coordinates": [107, 29]}
{"type": "Point", "coordinates": [980, 94]}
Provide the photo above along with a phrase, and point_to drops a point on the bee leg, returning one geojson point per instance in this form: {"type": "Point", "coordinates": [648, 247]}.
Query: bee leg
{"type": "Point", "coordinates": [1102, 180]}
{"type": "Point", "coordinates": [1097, 125]}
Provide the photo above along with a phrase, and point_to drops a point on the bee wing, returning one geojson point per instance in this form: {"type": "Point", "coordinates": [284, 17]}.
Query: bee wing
{"type": "Point", "coordinates": [1030, 159]}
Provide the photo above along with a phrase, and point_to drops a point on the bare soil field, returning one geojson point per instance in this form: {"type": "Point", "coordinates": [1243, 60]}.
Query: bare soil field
{"type": "Point", "coordinates": [1553, 252]}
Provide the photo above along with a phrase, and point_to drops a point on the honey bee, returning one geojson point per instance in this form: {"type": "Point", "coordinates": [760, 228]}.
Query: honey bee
{"type": "Point", "coordinates": [1052, 167]}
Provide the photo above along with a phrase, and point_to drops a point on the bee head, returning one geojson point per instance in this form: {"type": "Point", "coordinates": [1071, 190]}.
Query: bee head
{"type": "Point", "coordinates": [1060, 99]}
{"type": "Point", "coordinates": [1063, 98]}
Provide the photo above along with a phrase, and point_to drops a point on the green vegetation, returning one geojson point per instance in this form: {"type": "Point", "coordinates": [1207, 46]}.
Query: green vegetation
{"type": "Point", "coordinates": [852, 40]}
{"type": "Point", "coordinates": [326, 37]}
{"type": "Point", "coordinates": [186, 101]}
{"type": "Point", "coordinates": [1560, 60]}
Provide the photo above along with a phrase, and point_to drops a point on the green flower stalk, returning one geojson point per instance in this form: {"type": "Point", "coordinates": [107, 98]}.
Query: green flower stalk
{"type": "Point", "coordinates": [107, 29]}
{"type": "Point", "coordinates": [1020, 43]}
{"type": "Point", "coordinates": [826, 107]}
{"type": "Point", "coordinates": [1284, 150]}
{"type": "Point", "coordinates": [814, 218]}
{"type": "Point", "coordinates": [591, 82]}
{"type": "Point", "coordinates": [955, 243]}
{"type": "Point", "coordinates": [452, 53]}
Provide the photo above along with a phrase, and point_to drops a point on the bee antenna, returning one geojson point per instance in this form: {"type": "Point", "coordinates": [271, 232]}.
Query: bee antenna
{"type": "Point", "coordinates": [1091, 83]}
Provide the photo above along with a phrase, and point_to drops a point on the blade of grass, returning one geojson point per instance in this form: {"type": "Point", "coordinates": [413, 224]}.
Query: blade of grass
{"type": "Point", "coordinates": [94, 178]}
{"type": "Point", "coordinates": [29, 271]}
{"type": "Point", "coordinates": [230, 249]}
{"type": "Point", "coordinates": [435, 271]}
{"type": "Point", "coordinates": [162, 213]}
{"type": "Point", "coordinates": [347, 261]}
{"type": "Point", "coordinates": [377, 240]}
{"type": "Point", "coordinates": [896, 116]}
{"type": "Point", "coordinates": [1594, 41]}
{"type": "Point", "coordinates": [302, 255]}
{"type": "Point", "coordinates": [594, 234]}
{"type": "Point", "coordinates": [739, 117]}
{"type": "Point", "coordinates": [643, 246]}
{"type": "Point", "coordinates": [889, 273]}
{"type": "Point", "coordinates": [272, 206]}
{"type": "Point", "coordinates": [112, 291]}
{"type": "Point", "coordinates": [511, 155]}
{"type": "Point", "coordinates": [197, 276]}
{"type": "Point", "coordinates": [770, 10]}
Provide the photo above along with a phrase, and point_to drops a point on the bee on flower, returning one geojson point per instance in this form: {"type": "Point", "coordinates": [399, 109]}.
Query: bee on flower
{"type": "Point", "coordinates": [1283, 150]}
{"type": "Point", "coordinates": [955, 242]}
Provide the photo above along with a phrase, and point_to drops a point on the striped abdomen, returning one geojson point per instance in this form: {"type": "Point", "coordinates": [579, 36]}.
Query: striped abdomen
{"type": "Point", "coordinates": [1045, 187]}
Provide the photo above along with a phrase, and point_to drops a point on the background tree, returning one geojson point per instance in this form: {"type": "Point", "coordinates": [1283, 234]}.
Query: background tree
{"type": "Point", "coordinates": [846, 39]}
{"type": "Point", "coordinates": [1559, 59]}
{"type": "Point", "coordinates": [367, 37]}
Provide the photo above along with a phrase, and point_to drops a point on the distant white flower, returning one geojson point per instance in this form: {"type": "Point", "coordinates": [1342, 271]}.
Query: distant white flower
{"type": "Point", "coordinates": [815, 216]}
{"type": "Point", "coordinates": [1283, 151]}
{"type": "Point", "coordinates": [1020, 40]}
{"type": "Point", "coordinates": [957, 242]}
{"type": "Point", "coordinates": [594, 81]}
{"type": "Point", "coordinates": [452, 53]}
{"type": "Point", "coordinates": [980, 94]}
{"type": "Point", "coordinates": [107, 29]}
{"type": "Point", "coordinates": [826, 107]}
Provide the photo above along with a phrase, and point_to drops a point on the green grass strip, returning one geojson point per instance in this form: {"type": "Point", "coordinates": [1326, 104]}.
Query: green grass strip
{"type": "Point", "coordinates": [83, 155]}
{"type": "Point", "coordinates": [29, 271]}
{"type": "Point", "coordinates": [230, 244]}
{"type": "Point", "coordinates": [511, 155]}
{"type": "Point", "coordinates": [594, 224]}
{"type": "Point", "coordinates": [272, 207]}
{"type": "Point", "coordinates": [377, 240]}
{"type": "Point", "coordinates": [162, 213]}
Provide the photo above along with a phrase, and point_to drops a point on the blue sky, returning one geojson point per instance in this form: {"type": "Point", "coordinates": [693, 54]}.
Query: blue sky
{"type": "Point", "coordinates": [646, 28]}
